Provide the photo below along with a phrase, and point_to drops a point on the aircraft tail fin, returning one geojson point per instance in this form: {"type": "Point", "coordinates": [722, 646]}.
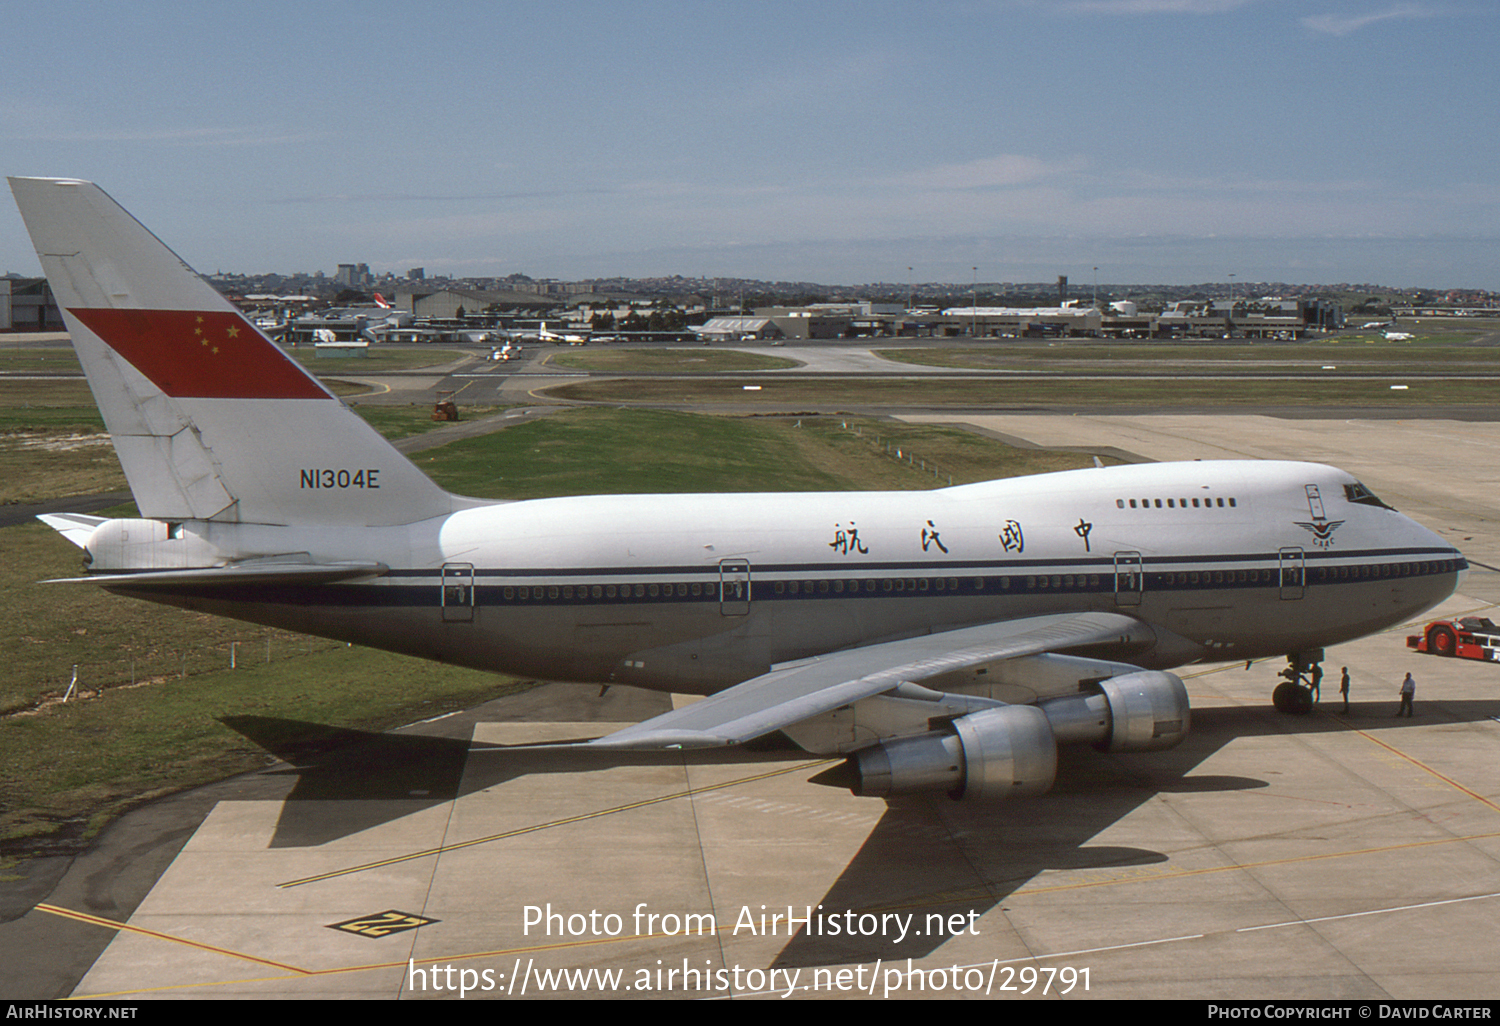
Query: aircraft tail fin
{"type": "Point", "coordinates": [210, 419]}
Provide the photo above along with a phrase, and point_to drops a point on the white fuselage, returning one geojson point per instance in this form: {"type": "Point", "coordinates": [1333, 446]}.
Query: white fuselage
{"type": "Point", "coordinates": [1225, 560]}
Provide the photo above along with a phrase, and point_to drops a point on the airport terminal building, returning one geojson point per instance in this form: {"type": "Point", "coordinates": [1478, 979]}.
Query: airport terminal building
{"type": "Point", "coordinates": [1261, 318]}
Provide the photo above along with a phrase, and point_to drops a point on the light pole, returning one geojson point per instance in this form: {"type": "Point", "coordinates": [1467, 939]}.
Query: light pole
{"type": "Point", "coordinates": [974, 298]}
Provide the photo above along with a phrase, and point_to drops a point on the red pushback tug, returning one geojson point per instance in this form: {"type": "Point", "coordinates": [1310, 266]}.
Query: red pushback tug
{"type": "Point", "coordinates": [1469, 637]}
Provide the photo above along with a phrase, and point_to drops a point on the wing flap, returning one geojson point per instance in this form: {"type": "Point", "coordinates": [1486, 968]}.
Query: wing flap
{"type": "Point", "coordinates": [792, 692]}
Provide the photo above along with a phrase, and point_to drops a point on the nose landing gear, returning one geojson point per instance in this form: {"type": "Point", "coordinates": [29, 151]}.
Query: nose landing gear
{"type": "Point", "coordinates": [1298, 691]}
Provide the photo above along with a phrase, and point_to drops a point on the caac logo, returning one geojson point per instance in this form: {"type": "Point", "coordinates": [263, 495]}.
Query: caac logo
{"type": "Point", "coordinates": [1321, 527]}
{"type": "Point", "coordinates": [1322, 531]}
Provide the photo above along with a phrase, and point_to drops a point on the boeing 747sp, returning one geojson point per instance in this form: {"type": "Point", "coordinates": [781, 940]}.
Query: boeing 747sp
{"type": "Point", "coordinates": [942, 640]}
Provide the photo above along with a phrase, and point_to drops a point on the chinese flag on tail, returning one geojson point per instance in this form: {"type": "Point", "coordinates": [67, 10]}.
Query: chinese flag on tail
{"type": "Point", "coordinates": [203, 355]}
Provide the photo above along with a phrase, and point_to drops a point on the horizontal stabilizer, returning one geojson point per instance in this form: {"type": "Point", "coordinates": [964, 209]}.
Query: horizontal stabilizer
{"type": "Point", "coordinates": [76, 527]}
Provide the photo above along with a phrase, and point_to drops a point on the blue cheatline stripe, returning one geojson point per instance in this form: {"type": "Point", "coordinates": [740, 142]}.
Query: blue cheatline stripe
{"type": "Point", "coordinates": [945, 568]}
{"type": "Point", "coordinates": [576, 586]}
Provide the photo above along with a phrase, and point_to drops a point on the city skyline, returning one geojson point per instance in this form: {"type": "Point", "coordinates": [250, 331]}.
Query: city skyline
{"type": "Point", "coordinates": [1166, 141]}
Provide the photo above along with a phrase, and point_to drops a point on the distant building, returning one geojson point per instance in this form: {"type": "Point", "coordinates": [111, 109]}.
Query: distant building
{"type": "Point", "coordinates": [807, 321]}
{"type": "Point", "coordinates": [1252, 318]}
{"type": "Point", "coordinates": [1453, 310]}
{"type": "Point", "coordinates": [984, 321]}
{"type": "Point", "coordinates": [1194, 318]}
{"type": "Point", "coordinates": [447, 303]}
{"type": "Point", "coordinates": [353, 276]}
{"type": "Point", "coordinates": [738, 329]}
{"type": "Point", "coordinates": [26, 304]}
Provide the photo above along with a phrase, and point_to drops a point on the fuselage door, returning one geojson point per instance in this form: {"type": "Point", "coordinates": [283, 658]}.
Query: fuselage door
{"type": "Point", "coordinates": [1293, 572]}
{"type": "Point", "coordinates": [458, 592]}
{"type": "Point", "coordinates": [1314, 502]}
{"type": "Point", "coordinates": [734, 587]}
{"type": "Point", "coordinates": [1130, 580]}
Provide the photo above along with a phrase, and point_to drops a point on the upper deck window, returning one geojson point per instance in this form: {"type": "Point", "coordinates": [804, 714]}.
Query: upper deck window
{"type": "Point", "coordinates": [1211, 502]}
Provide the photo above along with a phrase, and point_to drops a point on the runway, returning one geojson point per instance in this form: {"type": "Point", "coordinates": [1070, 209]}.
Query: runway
{"type": "Point", "coordinates": [1266, 857]}
{"type": "Point", "coordinates": [525, 379]}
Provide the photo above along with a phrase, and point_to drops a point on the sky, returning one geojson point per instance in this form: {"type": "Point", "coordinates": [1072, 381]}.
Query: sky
{"type": "Point", "coordinates": [835, 141]}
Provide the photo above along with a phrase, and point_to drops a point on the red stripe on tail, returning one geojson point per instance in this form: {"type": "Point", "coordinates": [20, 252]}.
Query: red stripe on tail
{"type": "Point", "coordinates": [191, 354]}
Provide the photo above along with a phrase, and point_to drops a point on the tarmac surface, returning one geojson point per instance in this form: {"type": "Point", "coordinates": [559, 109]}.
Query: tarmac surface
{"type": "Point", "coordinates": [1329, 856]}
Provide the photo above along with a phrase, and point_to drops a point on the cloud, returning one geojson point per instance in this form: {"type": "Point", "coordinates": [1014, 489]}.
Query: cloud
{"type": "Point", "coordinates": [1000, 171]}
{"type": "Point", "coordinates": [1343, 24]}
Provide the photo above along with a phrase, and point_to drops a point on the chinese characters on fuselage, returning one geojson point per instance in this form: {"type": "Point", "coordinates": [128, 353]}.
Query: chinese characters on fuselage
{"type": "Point", "coordinates": [847, 542]}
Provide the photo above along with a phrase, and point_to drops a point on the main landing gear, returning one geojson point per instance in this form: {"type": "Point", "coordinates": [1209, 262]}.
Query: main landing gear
{"type": "Point", "coordinates": [1297, 692]}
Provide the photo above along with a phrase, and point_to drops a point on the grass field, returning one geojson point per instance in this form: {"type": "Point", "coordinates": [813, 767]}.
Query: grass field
{"type": "Point", "coordinates": [379, 360]}
{"type": "Point", "coordinates": [70, 767]}
{"type": "Point", "coordinates": [1347, 352]}
{"type": "Point", "coordinates": [397, 422]}
{"type": "Point", "coordinates": [1036, 392]}
{"type": "Point", "coordinates": [605, 451]}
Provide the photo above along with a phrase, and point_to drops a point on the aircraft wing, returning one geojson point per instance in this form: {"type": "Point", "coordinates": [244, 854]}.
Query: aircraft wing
{"type": "Point", "coordinates": [795, 691]}
{"type": "Point", "coordinates": [248, 572]}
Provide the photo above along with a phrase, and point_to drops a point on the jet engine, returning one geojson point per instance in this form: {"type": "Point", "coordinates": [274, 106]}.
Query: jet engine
{"type": "Point", "coordinates": [1135, 712]}
{"type": "Point", "coordinates": [993, 753]}
{"type": "Point", "coordinates": [1011, 750]}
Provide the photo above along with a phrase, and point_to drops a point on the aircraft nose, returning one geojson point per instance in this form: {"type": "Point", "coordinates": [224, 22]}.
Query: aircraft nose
{"type": "Point", "coordinates": [1435, 547]}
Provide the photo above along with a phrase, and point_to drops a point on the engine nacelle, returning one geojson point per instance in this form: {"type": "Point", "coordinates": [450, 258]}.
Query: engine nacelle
{"type": "Point", "coordinates": [1011, 751]}
{"type": "Point", "coordinates": [1007, 752]}
{"type": "Point", "coordinates": [1134, 712]}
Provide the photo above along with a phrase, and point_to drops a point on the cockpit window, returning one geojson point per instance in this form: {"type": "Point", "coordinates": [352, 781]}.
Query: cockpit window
{"type": "Point", "coordinates": [1357, 492]}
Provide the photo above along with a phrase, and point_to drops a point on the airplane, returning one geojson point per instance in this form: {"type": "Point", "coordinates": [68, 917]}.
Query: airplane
{"type": "Point", "coordinates": [1398, 336]}
{"type": "Point", "coordinates": [543, 335]}
{"type": "Point", "coordinates": [939, 641]}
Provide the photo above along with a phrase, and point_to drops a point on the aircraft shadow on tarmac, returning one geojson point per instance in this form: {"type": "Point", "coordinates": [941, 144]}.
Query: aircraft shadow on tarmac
{"type": "Point", "coordinates": [987, 851]}
{"type": "Point", "coordinates": [379, 778]}
{"type": "Point", "coordinates": [927, 855]}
